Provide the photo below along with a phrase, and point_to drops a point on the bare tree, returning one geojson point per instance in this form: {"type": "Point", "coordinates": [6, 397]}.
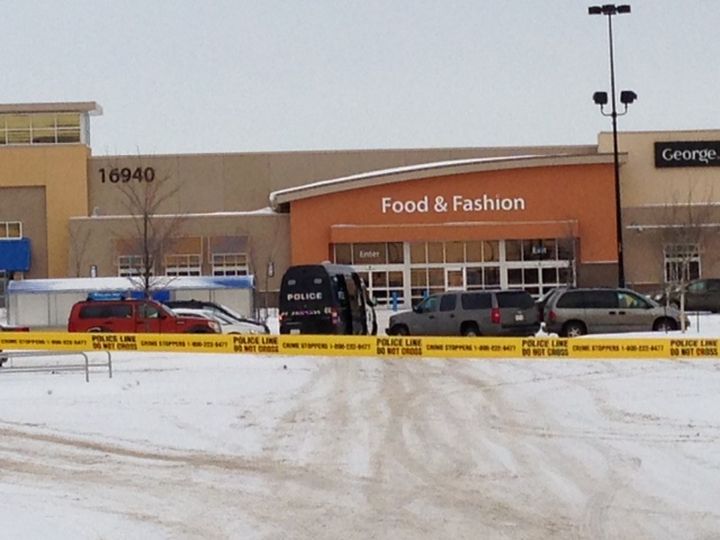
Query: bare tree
{"type": "Point", "coordinates": [261, 264]}
{"type": "Point", "coordinates": [154, 233]}
{"type": "Point", "coordinates": [79, 244]}
{"type": "Point", "coordinates": [568, 250]}
{"type": "Point", "coordinates": [683, 236]}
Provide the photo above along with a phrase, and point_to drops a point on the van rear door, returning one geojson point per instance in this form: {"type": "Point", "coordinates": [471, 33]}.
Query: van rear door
{"type": "Point", "coordinates": [517, 311]}
{"type": "Point", "coordinates": [307, 304]}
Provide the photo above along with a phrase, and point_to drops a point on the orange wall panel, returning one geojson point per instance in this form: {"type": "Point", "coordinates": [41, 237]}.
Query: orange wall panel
{"type": "Point", "coordinates": [422, 209]}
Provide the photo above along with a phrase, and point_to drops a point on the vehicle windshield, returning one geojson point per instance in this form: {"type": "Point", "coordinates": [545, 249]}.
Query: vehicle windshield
{"type": "Point", "coordinates": [234, 313]}
{"type": "Point", "coordinates": [190, 313]}
{"type": "Point", "coordinates": [166, 310]}
{"type": "Point", "coordinates": [220, 316]}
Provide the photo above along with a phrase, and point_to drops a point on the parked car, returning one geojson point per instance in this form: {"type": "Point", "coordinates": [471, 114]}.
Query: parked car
{"type": "Point", "coordinates": [573, 312]}
{"type": "Point", "coordinates": [133, 316]}
{"type": "Point", "coordinates": [227, 325]}
{"type": "Point", "coordinates": [6, 328]}
{"type": "Point", "coordinates": [469, 313]}
{"type": "Point", "coordinates": [225, 311]}
{"type": "Point", "coordinates": [700, 295]}
{"type": "Point", "coordinates": [325, 299]}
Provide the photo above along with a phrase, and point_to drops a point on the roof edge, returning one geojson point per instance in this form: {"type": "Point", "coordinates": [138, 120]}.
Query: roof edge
{"type": "Point", "coordinates": [89, 107]}
{"type": "Point", "coordinates": [428, 170]}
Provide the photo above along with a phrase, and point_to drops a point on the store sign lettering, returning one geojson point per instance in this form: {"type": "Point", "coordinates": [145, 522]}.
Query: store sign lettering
{"type": "Point", "coordinates": [687, 154]}
{"type": "Point", "coordinates": [456, 203]}
{"type": "Point", "coordinates": [365, 254]}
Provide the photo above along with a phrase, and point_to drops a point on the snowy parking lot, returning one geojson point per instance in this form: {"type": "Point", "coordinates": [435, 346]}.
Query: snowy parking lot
{"type": "Point", "coordinates": [236, 446]}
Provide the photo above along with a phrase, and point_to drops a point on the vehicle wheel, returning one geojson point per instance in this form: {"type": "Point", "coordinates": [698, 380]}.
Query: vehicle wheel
{"type": "Point", "coordinates": [574, 329]}
{"type": "Point", "coordinates": [470, 330]}
{"type": "Point", "coordinates": [399, 330]}
{"type": "Point", "coordinates": [665, 325]}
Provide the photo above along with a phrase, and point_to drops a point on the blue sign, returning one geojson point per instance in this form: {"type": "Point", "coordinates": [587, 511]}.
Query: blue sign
{"type": "Point", "coordinates": [15, 255]}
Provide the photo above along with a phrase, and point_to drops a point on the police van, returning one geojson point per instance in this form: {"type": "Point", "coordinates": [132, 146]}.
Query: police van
{"type": "Point", "coordinates": [325, 299]}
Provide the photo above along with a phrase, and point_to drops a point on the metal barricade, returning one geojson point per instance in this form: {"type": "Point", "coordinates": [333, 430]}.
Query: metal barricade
{"type": "Point", "coordinates": [8, 366]}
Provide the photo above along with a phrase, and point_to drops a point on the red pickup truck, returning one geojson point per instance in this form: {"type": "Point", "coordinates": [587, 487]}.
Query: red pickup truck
{"type": "Point", "coordinates": [134, 316]}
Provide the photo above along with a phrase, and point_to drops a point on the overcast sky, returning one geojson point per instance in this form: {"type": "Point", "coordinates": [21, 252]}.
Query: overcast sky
{"type": "Point", "coordinates": [181, 76]}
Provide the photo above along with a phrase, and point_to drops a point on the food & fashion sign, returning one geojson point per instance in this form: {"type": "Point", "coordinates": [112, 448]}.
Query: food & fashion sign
{"type": "Point", "coordinates": [687, 154]}
{"type": "Point", "coordinates": [455, 203]}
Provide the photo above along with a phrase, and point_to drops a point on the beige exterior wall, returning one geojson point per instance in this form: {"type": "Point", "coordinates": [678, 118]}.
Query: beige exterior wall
{"type": "Point", "coordinates": [643, 184]}
{"type": "Point", "coordinates": [60, 171]}
{"type": "Point", "coordinates": [269, 241]}
{"type": "Point", "coordinates": [243, 182]}
{"type": "Point", "coordinates": [28, 205]}
{"type": "Point", "coordinates": [655, 203]}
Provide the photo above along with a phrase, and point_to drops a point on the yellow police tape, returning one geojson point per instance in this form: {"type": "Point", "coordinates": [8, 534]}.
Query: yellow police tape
{"type": "Point", "coordinates": [381, 346]}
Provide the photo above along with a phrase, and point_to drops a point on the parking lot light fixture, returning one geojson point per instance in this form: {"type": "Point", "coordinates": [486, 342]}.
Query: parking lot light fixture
{"type": "Point", "coordinates": [601, 99]}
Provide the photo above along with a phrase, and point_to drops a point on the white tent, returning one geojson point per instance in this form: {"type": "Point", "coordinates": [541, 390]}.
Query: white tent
{"type": "Point", "coordinates": [47, 302]}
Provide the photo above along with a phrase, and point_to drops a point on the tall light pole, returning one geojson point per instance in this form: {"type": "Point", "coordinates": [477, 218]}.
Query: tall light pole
{"type": "Point", "coordinates": [601, 98]}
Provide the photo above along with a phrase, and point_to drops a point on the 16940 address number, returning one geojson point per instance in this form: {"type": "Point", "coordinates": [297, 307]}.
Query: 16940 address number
{"type": "Point", "coordinates": [126, 174]}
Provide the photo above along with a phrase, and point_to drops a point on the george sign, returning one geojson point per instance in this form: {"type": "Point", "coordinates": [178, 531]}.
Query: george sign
{"type": "Point", "coordinates": [687, 154]}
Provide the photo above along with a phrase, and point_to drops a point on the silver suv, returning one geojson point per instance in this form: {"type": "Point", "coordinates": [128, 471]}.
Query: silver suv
{"type": "Point", "coordinates": [469, 313]}
{"type": "Point", "coordinates": [576, 312]}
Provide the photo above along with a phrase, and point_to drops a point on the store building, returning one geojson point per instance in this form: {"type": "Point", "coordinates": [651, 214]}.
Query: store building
{"type": "Point", "coordinates": [412, 221]}
{"type": "Point", "coordinates": [533, 222]}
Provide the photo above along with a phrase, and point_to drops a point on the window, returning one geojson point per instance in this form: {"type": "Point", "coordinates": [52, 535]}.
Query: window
{"type": "Point", "coordinates": [515, 299]}
{"type": "Point", "coordinates": [430, 304]}
{"type": "Point", "coordinates": [681, 262]}
{"type": "Point", "coordinates": [476, 301]}
{"type": "Point", "coordinates": [713, 284]}
{"type": "Point", "coordinates": [631, 301]}
{"type": "Point", "coordinates": [10, 230]}
{"type": "Point", "coordinates": [448, 302]}
{"type": "Point", "coordinates": [697, 287]}
{"type": "Point", "coordinates": [343, 253]}
{"type": "Point", "coordinates": [369, 254]}
{"type": "Point", "coordinates": [600, 300]}
{"type": "Point", "coordinates": [229, 264]}
{"type": "Point", "coordinates": [148, 311]}
{"type": "Point", "coordinates": [573, 300]}
{"type": "Point", "coordinates": [131, 266]}
{"type": "Point", "coordinates": [40, 128]}
{"type": "Point", "coordinates": [182, 265]}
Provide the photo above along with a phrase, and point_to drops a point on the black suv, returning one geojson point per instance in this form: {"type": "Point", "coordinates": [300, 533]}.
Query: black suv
{"type": "Point", "coordinates": [470, 313]}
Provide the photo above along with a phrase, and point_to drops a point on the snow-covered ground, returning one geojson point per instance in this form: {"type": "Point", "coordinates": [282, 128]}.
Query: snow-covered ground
{"type": "Point", "coordinates": [237, 446]}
